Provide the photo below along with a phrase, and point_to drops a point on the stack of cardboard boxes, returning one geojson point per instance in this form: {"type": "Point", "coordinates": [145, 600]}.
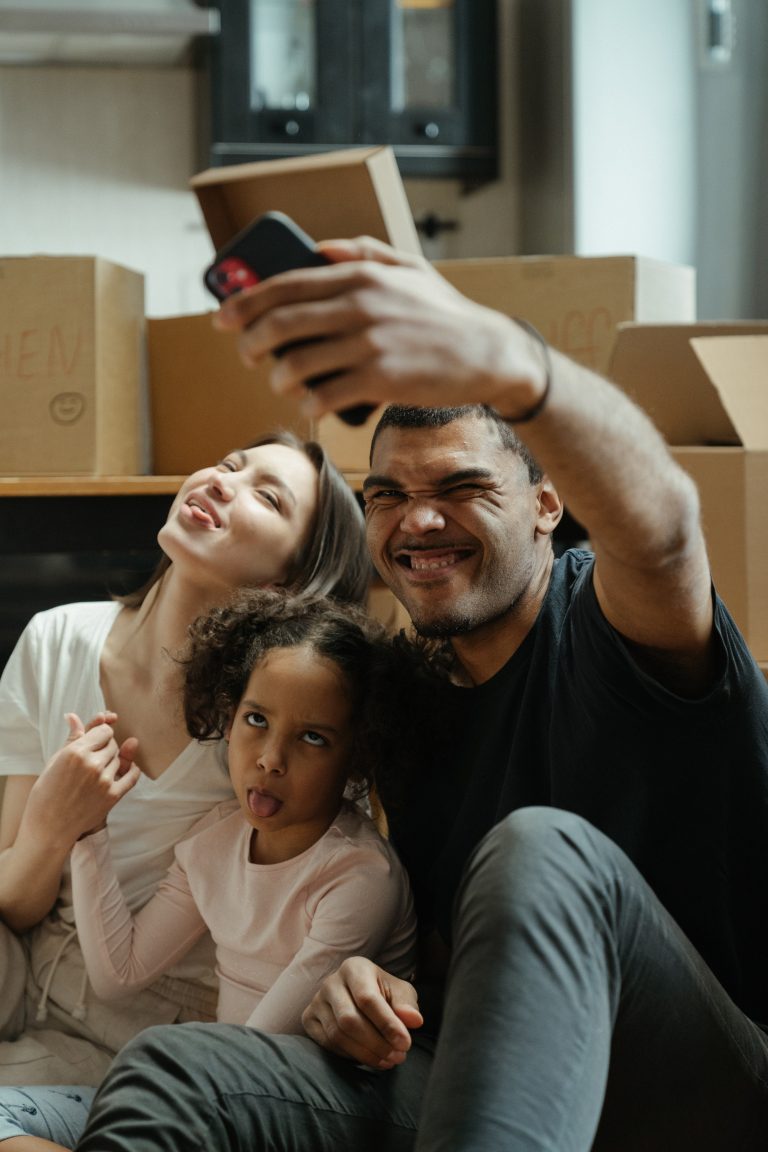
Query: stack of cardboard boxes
{"type": "Point", "coordinates": [75, 347]}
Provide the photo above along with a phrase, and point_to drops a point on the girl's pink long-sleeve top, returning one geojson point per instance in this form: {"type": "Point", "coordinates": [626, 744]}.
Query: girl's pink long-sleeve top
{"type": "Point", "coordinates": [279, 929]}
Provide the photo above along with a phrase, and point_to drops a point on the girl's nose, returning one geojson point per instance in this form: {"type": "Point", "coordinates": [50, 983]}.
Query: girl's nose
{"type": "Point", "coordinates": [272, 758]}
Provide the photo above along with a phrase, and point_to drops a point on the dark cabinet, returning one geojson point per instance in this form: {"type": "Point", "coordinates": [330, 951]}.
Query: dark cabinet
{"type": "Point", "coordinates": [292, 77]}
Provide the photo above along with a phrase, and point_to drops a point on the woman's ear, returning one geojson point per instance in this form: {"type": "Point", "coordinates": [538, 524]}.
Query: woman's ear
{"type": "Point", "coordinates": [549, 507]}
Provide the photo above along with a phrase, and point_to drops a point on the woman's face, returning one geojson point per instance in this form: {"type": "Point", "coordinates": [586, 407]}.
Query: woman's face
{"type": "Point", "coordinates": [242, 521]}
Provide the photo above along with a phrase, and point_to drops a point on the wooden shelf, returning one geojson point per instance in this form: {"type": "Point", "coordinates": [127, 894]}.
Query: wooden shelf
{"type": "Point", "coordinates": [89, 485]}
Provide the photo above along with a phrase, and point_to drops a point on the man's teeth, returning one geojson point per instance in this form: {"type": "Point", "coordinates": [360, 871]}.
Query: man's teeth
{"type": "Point", "coordinates": [419, 564]}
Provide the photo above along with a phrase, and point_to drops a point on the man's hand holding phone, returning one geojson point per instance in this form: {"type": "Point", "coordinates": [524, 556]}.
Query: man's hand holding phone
{"type": "Point", "coordinates": [272, 244]}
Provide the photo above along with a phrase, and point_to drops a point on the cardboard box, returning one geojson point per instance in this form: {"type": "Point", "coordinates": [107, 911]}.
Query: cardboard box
{"type": "Point", "coordinates": [354, 192]}
{"type": "Point", "coordinates": [71, 367]}
{"type": "Point", "coordinates": [203, 400]}
{"type": "Point", "coordinates": [576, 302]}
{"type": "Point", "coordinates": [706, 387]}
{"type": "Point", "coordinates": [333, 195]}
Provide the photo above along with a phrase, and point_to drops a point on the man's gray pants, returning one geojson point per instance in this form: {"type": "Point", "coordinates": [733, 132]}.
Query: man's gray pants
{"type": "Point", "coordinates": [578, 1017]}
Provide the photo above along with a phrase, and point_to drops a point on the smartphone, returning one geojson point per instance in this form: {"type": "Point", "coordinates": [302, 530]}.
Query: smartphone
{"type": "Point", "coordinates": [272, 243]}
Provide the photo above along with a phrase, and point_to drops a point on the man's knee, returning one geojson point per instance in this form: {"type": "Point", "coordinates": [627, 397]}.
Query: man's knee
{"type": "Point", "coordinates": [538, 833]}
{"type": "Point", "coordinates": [532, 859]}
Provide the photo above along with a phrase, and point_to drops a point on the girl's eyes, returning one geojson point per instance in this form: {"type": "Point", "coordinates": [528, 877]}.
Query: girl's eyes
{"type": "Point", "coordinates": [258, 720]}
{"type": "Point", "coordinates": [228, 465]}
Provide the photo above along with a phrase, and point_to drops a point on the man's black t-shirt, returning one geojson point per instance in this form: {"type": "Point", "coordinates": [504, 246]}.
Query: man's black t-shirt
{"type": "Point", "coordinates": [572, 722]}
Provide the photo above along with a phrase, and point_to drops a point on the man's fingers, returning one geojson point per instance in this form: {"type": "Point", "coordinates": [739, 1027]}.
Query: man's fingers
{"type": "Point", "coordinates": [366, 248]}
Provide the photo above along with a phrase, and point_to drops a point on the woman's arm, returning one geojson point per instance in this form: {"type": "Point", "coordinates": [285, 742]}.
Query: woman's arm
{"type": "Point", "coordinates": [43, 816]}
{"type": "Point", "coordinates": [124, 953]}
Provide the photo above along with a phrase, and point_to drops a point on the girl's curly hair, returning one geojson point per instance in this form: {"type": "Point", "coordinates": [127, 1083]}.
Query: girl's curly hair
{"type": "Point", "coordinates": [226, 644]}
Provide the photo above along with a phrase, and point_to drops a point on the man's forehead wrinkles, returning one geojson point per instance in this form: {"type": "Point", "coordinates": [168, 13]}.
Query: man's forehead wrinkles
{"type": "Point", "coordinates": [441, 461]}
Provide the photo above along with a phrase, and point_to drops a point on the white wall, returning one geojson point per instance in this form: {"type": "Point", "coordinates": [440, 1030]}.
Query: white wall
{"type": "Point", "coordinates": [634, 116]}
{"type": "Point", "coordinates": [96, 162]}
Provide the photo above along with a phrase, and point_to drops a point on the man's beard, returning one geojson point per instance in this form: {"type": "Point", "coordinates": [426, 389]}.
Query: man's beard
{"type": "Point", "coordinates": [459, 623]}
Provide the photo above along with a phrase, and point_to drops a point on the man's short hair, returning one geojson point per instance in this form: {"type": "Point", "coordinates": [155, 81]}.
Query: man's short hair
{"type": "Point", "coordinates": [410, 416]}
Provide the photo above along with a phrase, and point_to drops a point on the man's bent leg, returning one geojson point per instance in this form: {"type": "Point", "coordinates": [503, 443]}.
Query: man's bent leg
{"type": "Point", "coordinates": [226, 1087]}
{"type": "Point", "coordinates": [578, 1015]}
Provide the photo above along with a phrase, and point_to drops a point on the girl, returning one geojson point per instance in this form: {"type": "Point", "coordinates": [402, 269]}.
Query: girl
{"type": "Point", "coordinates": [289, 878]}
{"type": "Point", "coordinates": [277, 513]}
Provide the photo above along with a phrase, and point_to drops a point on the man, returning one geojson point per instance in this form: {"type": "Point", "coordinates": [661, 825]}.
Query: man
{"type": "Point", "coordinates": [592, 857]}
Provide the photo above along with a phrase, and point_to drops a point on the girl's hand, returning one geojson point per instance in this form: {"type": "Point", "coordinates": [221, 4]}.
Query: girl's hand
{"type": "Point", "coordinates": [364, 1013]}
{"type": "Point", "coordinates": [83, 781]}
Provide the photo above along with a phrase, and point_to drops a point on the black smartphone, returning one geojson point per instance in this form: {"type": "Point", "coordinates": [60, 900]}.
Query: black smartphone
{"type": "Point", "coordinates": [270, 244]}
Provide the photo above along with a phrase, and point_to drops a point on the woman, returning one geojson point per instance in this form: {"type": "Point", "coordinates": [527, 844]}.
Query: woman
{"type": "Point", "coordinates": [277, 513]}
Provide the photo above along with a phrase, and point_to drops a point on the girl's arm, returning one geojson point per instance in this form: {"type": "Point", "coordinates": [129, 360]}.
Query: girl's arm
{"type": "Point", "coordinates": [124, 953]}
{"type": "Point", "coordinates": [365, 911]}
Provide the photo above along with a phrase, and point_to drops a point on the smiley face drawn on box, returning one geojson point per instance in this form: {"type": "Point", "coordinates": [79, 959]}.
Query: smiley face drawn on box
{"type": "Point", "coordinates": [67, 407]}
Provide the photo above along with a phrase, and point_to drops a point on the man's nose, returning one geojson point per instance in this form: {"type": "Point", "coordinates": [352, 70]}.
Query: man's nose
{"type": "Point", "coordinates": [421, 515]}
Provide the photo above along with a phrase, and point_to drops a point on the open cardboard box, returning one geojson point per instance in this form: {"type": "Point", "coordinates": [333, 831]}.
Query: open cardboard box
{"type": "Point", "coordinates": [332, 196]}
{"type": "Point", "coordinates": [706, 388]}
{"type": "Point", "coordinates": [203, 400]}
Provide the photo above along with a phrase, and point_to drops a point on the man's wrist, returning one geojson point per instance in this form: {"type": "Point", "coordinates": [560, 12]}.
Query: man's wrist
{"type": "Point", "coordinates": [540, 404]}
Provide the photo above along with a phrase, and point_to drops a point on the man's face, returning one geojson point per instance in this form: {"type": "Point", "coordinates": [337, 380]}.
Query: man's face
{"type": "Point", "coordinates": [451, 520]}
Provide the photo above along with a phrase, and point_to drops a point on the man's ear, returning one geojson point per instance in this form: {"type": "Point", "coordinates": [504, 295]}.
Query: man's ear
{"type": "Point", "coordinates": [549, 506]}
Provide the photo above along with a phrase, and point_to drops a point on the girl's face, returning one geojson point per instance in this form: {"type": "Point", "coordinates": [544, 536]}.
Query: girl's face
{"type": "Point", "coordinates": [290, 744]}
{"type": "Point", "coordinates": [242, 521]}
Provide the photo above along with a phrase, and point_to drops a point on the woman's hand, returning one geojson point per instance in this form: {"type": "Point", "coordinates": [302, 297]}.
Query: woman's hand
{"type": "Point", "coordinates": [43, 818]}
{"type": "Point", "coordinates": [82, 782]}
{"type": "Point", "coordinates": [364, 1013]}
